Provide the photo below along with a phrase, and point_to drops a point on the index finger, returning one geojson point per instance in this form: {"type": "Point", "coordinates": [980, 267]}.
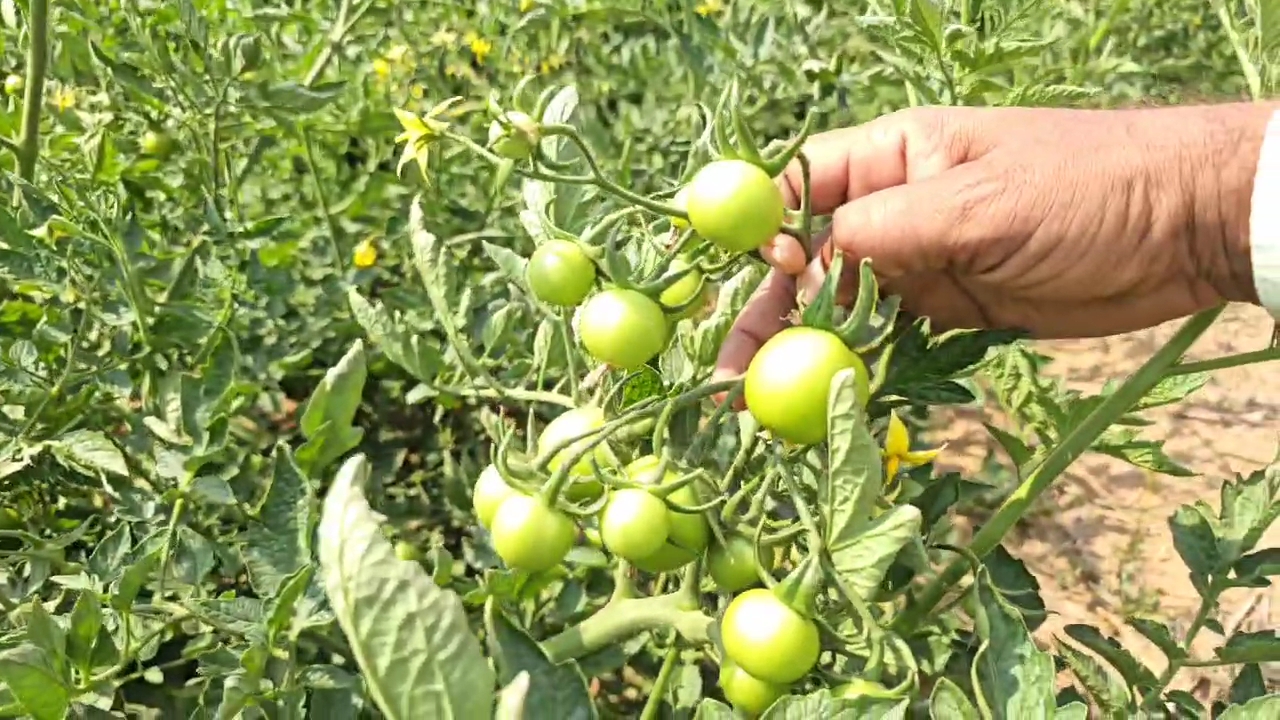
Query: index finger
{"type": "Point", "coordinates": [764, 316]}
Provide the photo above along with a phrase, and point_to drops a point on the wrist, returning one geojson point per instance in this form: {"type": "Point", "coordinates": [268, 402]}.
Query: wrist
{"type": "Point", "coordinates": [1232, 143]}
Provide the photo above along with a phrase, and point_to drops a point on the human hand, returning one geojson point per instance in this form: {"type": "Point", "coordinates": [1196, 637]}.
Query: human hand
{"type": "Point", "coordinates": [1063, 223]}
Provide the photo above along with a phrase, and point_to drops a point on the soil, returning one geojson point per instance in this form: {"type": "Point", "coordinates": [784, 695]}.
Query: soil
{"type": "Point", "coordinates": [1099, 542]}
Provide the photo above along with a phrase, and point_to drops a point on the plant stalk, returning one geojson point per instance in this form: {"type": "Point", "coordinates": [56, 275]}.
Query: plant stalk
{"type": "Point", "coordinates": [33, 97]}
{"type": "Point", "coordinates": [618, 621]}
{"type": "Point", "coordinates": [1075, 444]}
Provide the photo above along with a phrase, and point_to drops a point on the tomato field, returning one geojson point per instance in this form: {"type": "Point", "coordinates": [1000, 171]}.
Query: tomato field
{"type": "Point", "coordinates": [356, 361]}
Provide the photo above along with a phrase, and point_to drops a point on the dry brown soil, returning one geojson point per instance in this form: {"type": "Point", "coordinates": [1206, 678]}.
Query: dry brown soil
{"type": "Point", "coordinates": [1099, 542]}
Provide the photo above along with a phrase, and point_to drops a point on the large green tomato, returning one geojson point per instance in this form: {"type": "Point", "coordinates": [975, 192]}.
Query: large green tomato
{"type": "Point", "coordinates": [747, 693]}
{"type": "Point", "coordinates": [559, 273]}
{"type": "Point", "coordinates": [733, 564]}
{"type": "Point", "coordinates": [859, 687]}
{"type": "Point", "coordinates": [689, 533]}
{"type": "Point", "coordinates": [488, 494]}
{"type": "Point", "coordinates": [570, 424]}
{"type": "Point", "coordinates": [622, 328]}
{"type": "Point", "coordinates": [735, 205]}
{"type": "Point", "coordinates": [634, 523]}
{"type": "Point", "coordinates": [683, 290]}
{"type": "Point", "coordinates": [528, 535]}
{"type": "Point", "coordinates": [156, 143]}
{"type": "Point", "coordinates": [767, 638]}
{"type": "Point", "coordinates": [788, 380]}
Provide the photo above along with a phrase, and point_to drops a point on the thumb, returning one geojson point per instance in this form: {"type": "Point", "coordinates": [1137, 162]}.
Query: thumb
{"type": "Point", "coordinates": [922, 226]}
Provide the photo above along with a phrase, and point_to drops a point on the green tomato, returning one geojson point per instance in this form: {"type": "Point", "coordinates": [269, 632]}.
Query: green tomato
{"type": "Point", "coordinates": [10, 519]}
{"type": "Point", "coordinates": [684, 290]}
{"type": "Point", "coordinates": [406, 551]}
{"type": "Point", "coordinates": [566, 426]}
{"type": "Point", "coordinates": [14, 84]}
{"type": "Point", "coordinates": [530, 536]}
{"type": "Point", "coordinates": [622, 328]}
{"type": "Point", "coordinates": [634, 523]}
{"type": "Point", "coordinates": [733, 564]}
{"type": "Point", "coordinates": [489, 492]}
{"type": "Point", "coordinates": [681, 201]}
{"type": "Point", "coordinates": [747, 693]}
{"type": "Point", "coordinates": [789, 379]}
{"type": "Point", "coordinates": [767, 638]}
{"type": "Point", "coordinates": [156, 144]}
{"type": "Point", "coordinates": [735, 205]}
{"type": "Point", "coordinates": [689, 532]}
{"type": "Point", "coordinates": [559, 273]}
{"type": "Point", "coordinates": [859, 687]}
{"type": "Point", "coordinates": [516, 142]}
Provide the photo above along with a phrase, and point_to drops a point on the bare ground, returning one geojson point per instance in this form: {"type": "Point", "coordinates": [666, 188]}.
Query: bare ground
{"type": "Point", "coordinates": [1101, 546]}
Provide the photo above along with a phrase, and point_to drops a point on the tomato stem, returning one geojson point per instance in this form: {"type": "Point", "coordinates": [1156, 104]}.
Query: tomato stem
{"type": "Point", "coordinates": [618, 621]}
{"type": "Point", "coordinates": [33, 98]}
{"type": "Point", "coordinates": [658, 693]}
{"type": "Point", "coordinates": [1075, 444]}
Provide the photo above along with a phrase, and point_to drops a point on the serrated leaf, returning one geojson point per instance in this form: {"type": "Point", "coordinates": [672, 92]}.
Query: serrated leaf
{"type": "Point", "coordinates": [1015, 678]}
{"type": "Point", "coordinates": [1017, 585]}
{"type": "Point", "coordinates": [89, 451]}
{"type": "Point", "coordinates": [554, 690]}
{"type": "Point", "coordinates": [1013, 446]}
{"type": "Point", "coordinates": [821, 704]}
{"type": "Point", "coordinates": [856, 474]}
{"type": "Point", "coordinates": [1105, 689]}
{"type": "Point", "coordinates": [712, 709]}
{"type": "Point", "coordinates": [511, 263]}
{"type": "Point", "coordinates": [337, 397]}
{"type": "Point", "coordinates": [1253, 647]}
{"type": "Point", "coordinates": [1194, 539]}
{"type": "Point", "coordinates": [410, 637]}
{"type": "Point", "coordinates": [1072, 711]}
{"type": "Point", "coordinates": [1129, 667]}
{"type": "Point", "coordinates": [402, 345]}
{"type": "Point", "coordinates": [863, 560]}
{"type": "Point", "coordinates": [279, 542]}
{"type": "Point", "coordinates": [1159, 635]}
{"type": "Point", "coordinates": [1247, 685]}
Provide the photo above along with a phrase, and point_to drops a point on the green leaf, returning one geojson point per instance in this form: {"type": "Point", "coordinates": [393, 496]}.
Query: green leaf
{"type": "Point", "coordinates": [1263, 563]}
{"type": "Point", "coordinates": [862, 561]}
{"type": "Point", "coordinates": [1194, 539]}
{"type": "Point", "coordinates": [922, 367]}
{"type": "Point", "coordinates": [1248, 508]}
{"type": "Point", "coordinates": [1263, 708]}
{"type": "Point", "coordinates": [1159, 635]}
{"type": "Point", "coordinates": [711, 709]}
{"type": "Point", "coordinates": [511, 698]}
{"type": "Point", "coordinates": [1072, 711]}
{"type": "Point", "coordinates": [279, 542]}
{"type": "Point", "coordinates": [821, 704]}
{"type": "Point", "coordinates": [948, 702]}
{"type": "Point", "coordinates": [1253, 647]}
{"type": "Point", "coordinates": [30, 676]}
{"type": "Point", "coordinates": [212, 490]}
{"type": "Point", "coordinates": [406, 347]}
{"type": "Point", "coordinates": [85, 622]}
{"type": "Point", "coordinates": [1015, 678]}
{"type": "Point", "coordinates": [1017, 585]}
{"type": "Point", "coordinates": [511, 263]}
{"type": "Point", "coordinates": [1248, 684]}
{"type": "Point", "coordinates": [89, 451]}
{"type": "Point", "coordinates": [45, 632]}
{"type": "Point", "coordinates": [296, 97]}
{"type": "Point", "coordinates": [410, 637]}
{"type": "Point", "coordinates": [554, 690]}
{"type": "Point", "coordinates": [1106, 690]}
{"type": "Point", "coordinates": [1014, 447]}
{"type": "Point", "coordinates": [856, 474]}
{"type": "Point", "coordinates": [337, 398]}
{"type": "Point", "coordinates": [1129, 667]}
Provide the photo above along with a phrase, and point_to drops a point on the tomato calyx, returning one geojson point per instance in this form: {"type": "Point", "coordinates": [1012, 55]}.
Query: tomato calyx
{"type": "Point", "coordinates": [514, 135]}
{"type": "Point", "coordinates": [800, 588]}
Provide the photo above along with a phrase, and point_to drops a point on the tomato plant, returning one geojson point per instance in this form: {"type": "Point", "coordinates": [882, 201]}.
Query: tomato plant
{"type": "Point", "coordinates": [560, 273]}
{"type": "Point", "coordinates": [786, 383]}
{"type": "Point", "coordinates": [735, 205]}
{"type": "Point", "coordinates": [622, 328]}
{"type": "Point", "coordinates": [386, 273]}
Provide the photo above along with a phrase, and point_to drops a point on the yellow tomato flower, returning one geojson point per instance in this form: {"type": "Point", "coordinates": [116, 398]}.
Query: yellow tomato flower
{"type": "Point", "coordinates": [399, 55]}
{"type": "Point", "coordinates": [480, 47]}
{"type": "Point", "coordinates": [382, 69]}
{"type": "Point", "coordinates": [708, 8]}
{"type": "Point", "coordinates": [421, 132]}
{"type": "Point", "coordinates": [366, 254]}
{"type": "Point", "coordinates": [442, 38]}
{"type": "Point", "coordinates": [897, 449]}
{"type": "Point", "coordinates": [64, 98]}
{"type": "Point", "coordinates": [553, 61]}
